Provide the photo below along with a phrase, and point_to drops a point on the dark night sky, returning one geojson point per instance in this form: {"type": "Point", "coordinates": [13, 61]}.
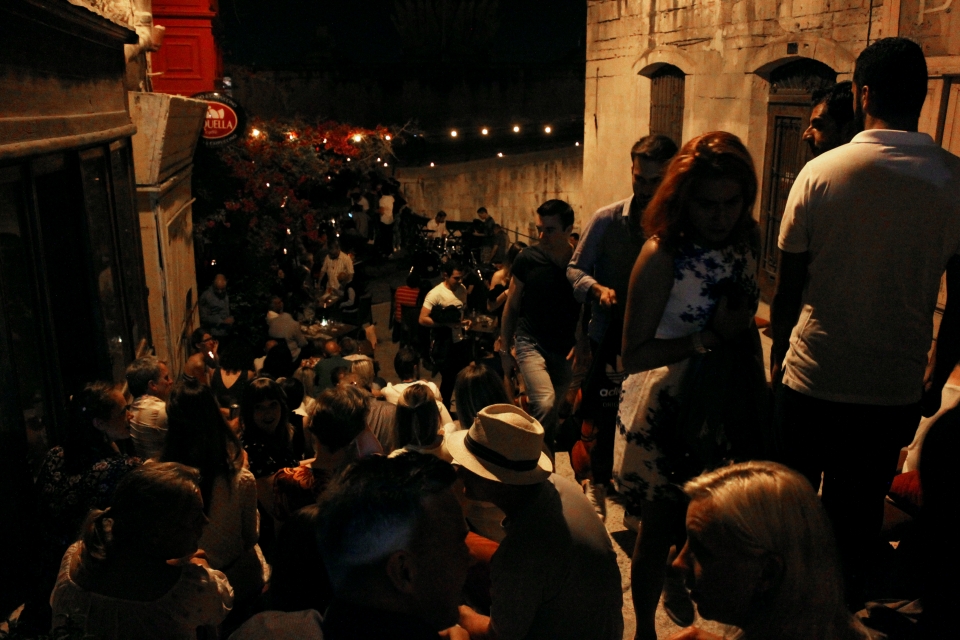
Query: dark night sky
{"type": "Point", "coordinates": [275, 32]}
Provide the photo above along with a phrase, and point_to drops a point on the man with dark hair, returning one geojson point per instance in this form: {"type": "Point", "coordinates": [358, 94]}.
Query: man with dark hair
{"type": "Point", "coordinates": [600, 271]}
{"type": "Point", "coordinates": [393, 539]}
{"type": "Point", "coordinates": [832, 121]}
{"type": "Point", "coordinates": [442, 311]}
{"type": "Point", "coordinates": [867, 233]}
{"type": "Point", "coordinates": [541, 315]}
{"type": "Point", "coordinates": [483, 227]}
{"type": "Point", "coordinates": [149, 382]}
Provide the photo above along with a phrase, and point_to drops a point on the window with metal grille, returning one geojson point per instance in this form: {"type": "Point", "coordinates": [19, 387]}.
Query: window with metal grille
{"type": "Point", "coordinates": [666, 103]}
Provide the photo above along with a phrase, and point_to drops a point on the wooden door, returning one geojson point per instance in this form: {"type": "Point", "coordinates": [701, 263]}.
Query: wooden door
{"type": "Point", "coordinates": [785, 155]}
{"type": "Point", "coordinates": [667, 87]}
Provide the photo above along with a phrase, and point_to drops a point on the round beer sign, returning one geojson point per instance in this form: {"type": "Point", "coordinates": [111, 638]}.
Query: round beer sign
{"type": "Point", "coordinates": [224, 120]}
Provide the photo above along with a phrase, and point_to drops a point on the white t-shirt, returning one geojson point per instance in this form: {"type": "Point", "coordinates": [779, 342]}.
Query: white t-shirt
{"type": "Point", "coordinates": [337, 268]}
{"type": "Point", "coordinates": [386, 210]}
{"type": "Point", "coordinates": [880, 218]}
{"type": "Point", "coordinates": [441, 296]}
{"type": "Point", "coordinates": [437, 229]}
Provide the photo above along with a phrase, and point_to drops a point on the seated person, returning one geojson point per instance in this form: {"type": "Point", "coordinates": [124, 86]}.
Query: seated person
{"type": "Point", "coordinates": [134, 572]}
{"type": "Point", "coordinates": [341, 417]}
{"type": "Point", "coordinates": [555, 574]}
{"type": "Point", "coordinates": [418, 423]}
{"type": "Point", "coordinates": [392, 537]}
{"type": "Point", "coordinates": [149, 382]}
{"type": "Point", "coordinates": [267, 436]}
{"type": "Point", "coordinates": [406, 364]}
{"type": "Point", "coordinates": [760, 555]}
{"type": "Point", "coordinates": [203, 358]}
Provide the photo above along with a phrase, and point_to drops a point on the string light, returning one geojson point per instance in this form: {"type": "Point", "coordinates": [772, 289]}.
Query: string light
{"type": "Point", "coordinates": [324, 141]}
{"type": "Point", "coordinates": [500, 155]}
{"type": "Point", "coordinates": [387, 137]}
{"type": "Point", "coordinates": [516, 128]}
{"type": "Point", "coordinates": [292, 135]}
{"type": "Point", "coordinates": [348, 159]}
{"type": "Point", "coordinates": [255, 133]}
{"type": "Point", "coordinates": [547, 129]}
{"type": "Point", "coordinates": [385, 164]}
{"type": "Point", "coordinates": [432, 165]}
{"type": "Point", "coordinates": [357, 137]}
{"type": "Point", "coordinates": [268, 184]}
{"type": "Point", "coordinates": [453, 134]}
{"type": "Point", "coordinates": [484, 131]}
{"type": "Point", "coordinates": [576, 144]}
{"type": "Point", "coordinates": [288, 231]}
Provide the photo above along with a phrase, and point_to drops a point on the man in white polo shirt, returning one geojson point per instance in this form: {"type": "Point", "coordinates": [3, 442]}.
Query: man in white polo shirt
{"type": "Point", "coordinates": [868, 231]}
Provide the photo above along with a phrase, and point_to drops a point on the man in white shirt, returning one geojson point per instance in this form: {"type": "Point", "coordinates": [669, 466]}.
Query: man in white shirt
{"type": "Point", "coordinates": [338, 267]}
{"type": "Point", "coordinates": [868, 231]}
{"type": "Point", "coordinates": [455, 349]}
{"type": "Point", "coordinates": [149, 382]}
{"type": "Point", "coordinates": [437, 228]}
{"type": "Point", "coordinates": [284, 327]}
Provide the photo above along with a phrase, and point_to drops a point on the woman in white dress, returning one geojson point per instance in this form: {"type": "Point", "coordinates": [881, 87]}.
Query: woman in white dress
{"type": "Point", "coordinates": [693, 289]}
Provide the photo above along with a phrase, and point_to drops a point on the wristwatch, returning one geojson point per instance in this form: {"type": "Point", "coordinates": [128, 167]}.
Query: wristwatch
{"type": "Point", "coordinates": [698, 343]}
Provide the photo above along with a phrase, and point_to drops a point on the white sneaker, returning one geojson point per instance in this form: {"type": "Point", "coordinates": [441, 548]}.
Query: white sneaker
{"type": "Point", "coordinates": [631, 522]}
{"type": "Point", "coordinates": [597, 495]}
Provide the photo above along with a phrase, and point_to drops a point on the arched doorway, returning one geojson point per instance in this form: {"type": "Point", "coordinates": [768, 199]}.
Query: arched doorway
{"type": "Point", "coordinates": [788, 112]}
{"type": "Point", "coordinates": [666, 102]}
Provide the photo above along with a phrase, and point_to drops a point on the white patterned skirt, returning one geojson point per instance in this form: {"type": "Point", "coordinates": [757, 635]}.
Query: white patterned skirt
{"type": "Point", "coordinates": [649, 409]}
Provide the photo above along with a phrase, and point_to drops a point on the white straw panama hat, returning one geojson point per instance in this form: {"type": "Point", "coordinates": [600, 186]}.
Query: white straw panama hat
{"type": "Point", "coordinates": [503, 444]}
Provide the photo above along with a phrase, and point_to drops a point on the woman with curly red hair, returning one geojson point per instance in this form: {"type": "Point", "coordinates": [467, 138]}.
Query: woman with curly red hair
{"type": "Point", "coordinates": [693, 290]}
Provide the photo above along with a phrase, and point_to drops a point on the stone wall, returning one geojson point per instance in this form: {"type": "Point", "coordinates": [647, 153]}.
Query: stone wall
{"type": "Point", "coordinates": [511, 188]}
{"type": "Point", "coordinates": [727, 49]}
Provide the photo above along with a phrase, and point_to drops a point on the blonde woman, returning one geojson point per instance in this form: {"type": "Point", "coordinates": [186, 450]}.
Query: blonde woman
{"type": "Point", "coordinates": [760, 556]}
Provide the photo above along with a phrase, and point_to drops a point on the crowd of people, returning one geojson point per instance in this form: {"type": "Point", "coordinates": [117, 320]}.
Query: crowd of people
{"type": "Point", "coordinates": [303, 496]}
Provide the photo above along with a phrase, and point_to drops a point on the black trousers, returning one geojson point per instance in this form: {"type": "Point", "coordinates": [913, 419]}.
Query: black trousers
{"type": "Point", "coordinates": [856, 448]}
{"type": "Point", "coordinates": [459, 356]}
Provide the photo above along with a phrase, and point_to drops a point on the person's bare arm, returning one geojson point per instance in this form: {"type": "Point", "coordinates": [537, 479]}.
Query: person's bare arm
{"type": "Point", "coordinates": [477, 625]}
{"type": "Point", "coordinates": [508, 326]}
{"type": "Point", "coordinates": [650, 285]}
{"type": "Point", "coordinates": [946, 351]}
{"type": "Point", "coordinates": [425, 320]}
{"type": "Point", "coordinates": [787, 301]}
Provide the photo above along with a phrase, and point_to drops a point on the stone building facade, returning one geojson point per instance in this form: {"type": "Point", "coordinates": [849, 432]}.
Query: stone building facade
{"type": "Point", "coordinates": [686, 67]}
{"type": "Point", "coordinates": [511, 188]}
